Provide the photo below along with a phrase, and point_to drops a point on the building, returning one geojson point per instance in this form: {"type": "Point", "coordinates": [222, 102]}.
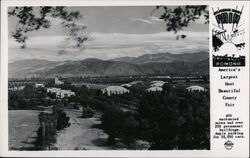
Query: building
{"type": "Point", "coordinates": [196, 88]}
{"type": "Point", "coordinates": [154, 89]}
{"type": "Point", "coordinates": [80, 84]}
{"type": "Point", "coordinates": [152, 82]}
{"type": "Point", "coordinates": [39, 85]}
{"type": "Point", "coordinates": [136, 83]}
{"type": "Point", "coordinates": [161, 77]}
{"type": "Point", "coordinates": [61, 93]}
{"type": "Point", "coordinates": [164, 77]}
{"type": "Point", "coordinates": [53, 90]}
{"type": "Point", "coordinates": [157, 83]}
{"type": "Point", "coordinates": [67, 93]}
{"type": "Point", "coordinates": [57, 91]}
{"type": "Point", "coordinates": [58, 82]}
{"type": "Point", "coordinates": [126, 85]}
{"type": "Point", "coordinates": [114, 90]}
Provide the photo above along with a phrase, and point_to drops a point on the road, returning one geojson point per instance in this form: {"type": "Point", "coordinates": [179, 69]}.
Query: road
{"type": "Point", "coordinates": [81, 135]}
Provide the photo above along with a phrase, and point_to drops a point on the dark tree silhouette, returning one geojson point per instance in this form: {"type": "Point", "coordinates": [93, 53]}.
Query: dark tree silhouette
{"type": "Point", "coordinates": [36, 18]}
{"type": "Point", "coordinates": [179, 17]}
{"type": "Point", "coordinates": [175, 120]}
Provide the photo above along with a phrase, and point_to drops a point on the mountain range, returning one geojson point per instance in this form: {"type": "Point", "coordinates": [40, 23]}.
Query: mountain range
{"type": "Point", "coordinates": [148, 64]}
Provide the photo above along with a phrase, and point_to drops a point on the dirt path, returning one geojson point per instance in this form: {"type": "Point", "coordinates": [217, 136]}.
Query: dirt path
{"type": "Point", "coordinates": [81, 135]}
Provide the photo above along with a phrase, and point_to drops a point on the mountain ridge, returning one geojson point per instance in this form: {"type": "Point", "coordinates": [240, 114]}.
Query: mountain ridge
{"type": "Point", "coordinates": [148, 64]}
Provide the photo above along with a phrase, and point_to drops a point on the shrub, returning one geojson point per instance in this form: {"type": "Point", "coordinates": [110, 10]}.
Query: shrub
{"type": "Point", "coordinates": [87, 112]}
{"type": "Point", "coordinates": [62, 120]}
{"type": "Point", "coordinates": [119, 124]}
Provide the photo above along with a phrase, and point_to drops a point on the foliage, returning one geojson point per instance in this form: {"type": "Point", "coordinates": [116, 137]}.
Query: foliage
{"type": "Point", "coordinates": [29, 98]}
{"type": "Point", "coordinates": [49, 124]}
{"type": "Point", "coordinates": [173, 121]}
{"type": "Point", "coordinates": [179, 17]}
{"type": "Point", "coordinates": [52, 95]}
{"type": "Point", "coordinates": [119, 124]}
{"type": "Point", "coordinates": [39, 140]}
{"type": "Point", "coordinates": [167, 120]}
{"type": "Point", "coordinates": [87, 112]}
{"type": "Point", "coordinates": [62, 120]}
{"type": "Point", "coordinates": [36, 18]}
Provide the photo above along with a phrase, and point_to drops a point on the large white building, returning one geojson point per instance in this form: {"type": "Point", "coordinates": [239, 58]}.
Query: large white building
{"type": "Point", "coordinates": [67, 93]}
{"type": "Point", "coordinates": [155, 86]}
{"type": "Point", "coordinates": [152, 82]}
{"type": "Point", "coordinates": [196, 88]}
{"type": "Point", "coordinates": [126, 85]}
{"type": "Point", "coordinates": [114, 90]}
{"type": "Point", "coordinates": [61, 93]}
{"type": "Point", "coordinates": [157, 83]}
{"type": "Point", "coordinates": [136, 82]}
{"type": "Point", "coordinates": [154, 89]}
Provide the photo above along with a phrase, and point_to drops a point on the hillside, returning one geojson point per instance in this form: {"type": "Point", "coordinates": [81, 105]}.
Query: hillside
{"type": "Point", "coordinates": [163, 63]}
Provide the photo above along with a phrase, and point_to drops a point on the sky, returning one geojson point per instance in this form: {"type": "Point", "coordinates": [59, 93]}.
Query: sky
{"type": "Point", "coordinates": [114, 32]}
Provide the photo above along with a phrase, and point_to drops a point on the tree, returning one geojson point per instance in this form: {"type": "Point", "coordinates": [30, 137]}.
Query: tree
{"type": "Point", "coordinates": [29, 20]}
{"type": "Point", "coordinates": [176, 121]}
{"type": "Point", "coordinates": [87, 112]}
{"type": "Point", "coordinates": [62, 120]}
{"type": "Point", "coordinates": [179, 17]}
{"type": "Point", "coordinates": [119, 124]}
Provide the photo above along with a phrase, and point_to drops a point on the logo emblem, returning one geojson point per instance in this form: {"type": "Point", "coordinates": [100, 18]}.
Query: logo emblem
{"type": "Point", "coordinates": [228, 145]}
{"type": "Point", "coordinates": [228, 37]}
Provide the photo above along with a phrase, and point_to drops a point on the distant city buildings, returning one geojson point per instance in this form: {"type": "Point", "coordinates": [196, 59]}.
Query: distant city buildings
{"type": "Point", "coordinates": [153, 85]}
{"type": "Point", "coordinates": [16, 88]}
{"type": "Point", "coordinates": [161, 77]}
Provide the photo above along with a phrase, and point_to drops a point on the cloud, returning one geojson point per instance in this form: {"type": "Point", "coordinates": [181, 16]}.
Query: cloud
{"type": "Point", "coordinates": [148, 20]}
{"type": "Point", "coordinates": [154, 18]}
{"type": "Point", "coordinates": [108, 45]}
{"type": "Point", "coordinates": [143, 20]}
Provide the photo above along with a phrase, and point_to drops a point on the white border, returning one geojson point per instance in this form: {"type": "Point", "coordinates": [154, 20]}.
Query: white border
{"type": "Point", "coordinates": [241, 108]}
{"type": "Point", "coordinates": [111, 153]}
